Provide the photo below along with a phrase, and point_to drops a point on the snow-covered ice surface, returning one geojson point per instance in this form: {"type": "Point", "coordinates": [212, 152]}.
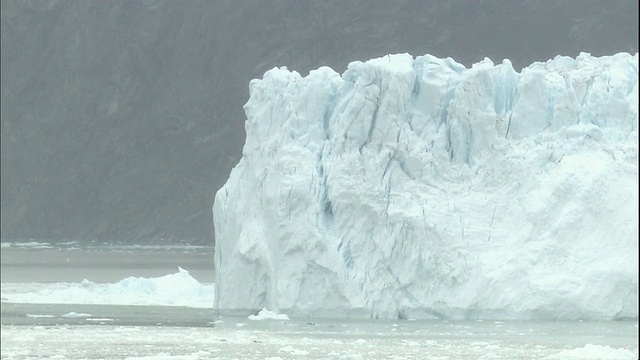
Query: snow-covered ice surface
{"type": "Point", "coordinates": [419, 188]}
{"type": "Point", "coordinates": [179, 289]}
{"type": "Point", "coordinates": [590, 351]}
{"type": "Point", "coordinates": [327, 340]}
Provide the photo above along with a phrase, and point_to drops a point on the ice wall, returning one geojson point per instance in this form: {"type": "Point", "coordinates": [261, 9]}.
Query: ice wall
{"type": "Point", "coordinates": [419, 188]}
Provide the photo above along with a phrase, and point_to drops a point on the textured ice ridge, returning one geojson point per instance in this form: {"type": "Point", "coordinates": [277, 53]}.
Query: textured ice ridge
{"type": "Point", "coordinates": [419, 188]}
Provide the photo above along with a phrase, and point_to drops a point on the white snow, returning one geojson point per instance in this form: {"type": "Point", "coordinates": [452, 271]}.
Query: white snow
{"type": "Point", "coordinates": [266, 314]}
{"type": "Point", "coordinates": [590, 351]}
{"type": "Point", "coordinates": [179, 289]}
{"type": "Point", "coordinates": [75, 315]}
{"type": "Point", "coordinates": [420, 188]}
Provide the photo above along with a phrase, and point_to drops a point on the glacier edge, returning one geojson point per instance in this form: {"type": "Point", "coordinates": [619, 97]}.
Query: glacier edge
{"type": "Point", "coordinates": [420, 188]}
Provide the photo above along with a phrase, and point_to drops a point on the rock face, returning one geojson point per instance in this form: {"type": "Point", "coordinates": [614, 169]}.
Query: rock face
{"type": "Point", "coordinates": [121, 119]}
{"type": "Point", "coordinates": [420, 188]}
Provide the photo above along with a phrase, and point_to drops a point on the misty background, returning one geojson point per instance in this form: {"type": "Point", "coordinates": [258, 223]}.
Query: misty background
{"type": "Point", "coordinates": [122, 118]}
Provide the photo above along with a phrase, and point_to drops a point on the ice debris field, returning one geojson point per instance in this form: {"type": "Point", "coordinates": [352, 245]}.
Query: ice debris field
{"type": "Point", "coordinates": [418, 188]}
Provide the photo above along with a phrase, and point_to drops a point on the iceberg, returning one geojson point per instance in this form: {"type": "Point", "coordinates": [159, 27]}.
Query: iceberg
{"type": "Point", "coordinates": [265, 314]}
{"type": "Point", "coordinates": [419, 188]}
{"type": "Point", "coordinates": [178, 289]}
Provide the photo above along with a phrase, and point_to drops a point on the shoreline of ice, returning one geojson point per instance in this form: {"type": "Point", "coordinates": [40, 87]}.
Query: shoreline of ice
{"type": "Point", "coordinates": [179, 289]}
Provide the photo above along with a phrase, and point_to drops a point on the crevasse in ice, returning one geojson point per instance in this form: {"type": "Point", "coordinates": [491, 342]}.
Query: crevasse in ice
{"type": "Point", "coordinates": [420, 188]}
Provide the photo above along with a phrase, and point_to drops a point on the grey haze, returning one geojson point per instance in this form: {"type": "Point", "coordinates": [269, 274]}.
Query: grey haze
{"type": "Point", "coordinates": [122, 118]}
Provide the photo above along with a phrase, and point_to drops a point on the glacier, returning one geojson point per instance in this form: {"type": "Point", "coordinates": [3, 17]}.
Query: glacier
{"type": "Point", "coordinates": [419, 188]}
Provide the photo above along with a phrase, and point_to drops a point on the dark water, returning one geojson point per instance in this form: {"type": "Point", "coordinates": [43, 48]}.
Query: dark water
{"type": "Point", "coordinates": [113, 315]}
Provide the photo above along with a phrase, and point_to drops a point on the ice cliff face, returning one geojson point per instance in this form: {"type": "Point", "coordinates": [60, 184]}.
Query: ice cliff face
{"type": "Point", "coordinates": [419, 188]}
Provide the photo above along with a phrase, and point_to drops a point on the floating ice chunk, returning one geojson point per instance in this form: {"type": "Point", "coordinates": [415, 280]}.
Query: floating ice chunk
{"type": "Point", "coordinates": [37, 316]}
{"type": "Point", "coordinates": [265, 314]}
{"type": "Point", "coordinates": [75, 315]}
{"type": "Point", "coordinates": [594, 352]}
{"type": "Point", "coordinates": [293, 351]}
